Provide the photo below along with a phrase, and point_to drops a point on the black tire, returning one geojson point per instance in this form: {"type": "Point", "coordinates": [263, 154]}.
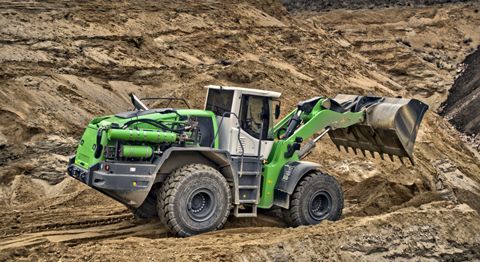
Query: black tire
{"type": "Point", "coordinates": [195, 199]}
{"type": "Point", "coordinates": [317, 197]}
{"type": "Point", "coordinates": [148, 209]}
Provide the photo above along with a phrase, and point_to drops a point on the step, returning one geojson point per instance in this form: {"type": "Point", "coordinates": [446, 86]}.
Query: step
{"type": "Point", "coordinates": [247, 187]}
{"type": "Point", "coordinates": [246, 215]}
{"type": "Point", "coordinates": [252, 214]}
{"type": "Point", "coordinates": [248, 173]}
{"type": "Point", "coordinates": [247, 201]}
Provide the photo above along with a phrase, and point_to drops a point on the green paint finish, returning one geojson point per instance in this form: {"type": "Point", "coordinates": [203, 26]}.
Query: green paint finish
{"type": "Point", "coordinates": [326, 118]}
{"type": "Point", "coordinates": [317, 120]}
{"type": "Point", "coordinates": [136, 151]}
{"type": "Point", "coordinates": [282, 124]}
{"type": "Point", "coordinates": [142, 135]}
{"type": "Point", "coordinates": [85, 153]}
{"type": "Point", "coordinates": [316, 109]}
{"type": "Point", "coordinates": [272, 170]}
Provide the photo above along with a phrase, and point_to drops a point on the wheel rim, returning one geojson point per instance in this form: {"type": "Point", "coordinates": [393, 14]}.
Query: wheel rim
{"type": "Point", "coordinates": [201, 204]}
{"type": "Point", "coordinates": [320, 205]}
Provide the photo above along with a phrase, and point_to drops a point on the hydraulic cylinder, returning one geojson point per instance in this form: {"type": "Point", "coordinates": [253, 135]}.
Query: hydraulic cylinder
{"type": "Point", "coordinates": [142, 135]}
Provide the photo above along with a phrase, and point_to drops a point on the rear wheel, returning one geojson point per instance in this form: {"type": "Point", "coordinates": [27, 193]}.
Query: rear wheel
{"type": "Point", "coordinates": [194, 199]}
{"type": "Point", "coordinates": [148, 209]}
{"type": "Point", "coordinates": [318, 196]}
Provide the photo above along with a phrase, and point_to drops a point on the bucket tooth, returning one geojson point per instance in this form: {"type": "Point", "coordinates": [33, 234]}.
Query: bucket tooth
{"type": "Point", "coordinates": [354, 150]}
{"type": "Point", "coordinates": [346, 148]}
{"type": "Point", "coordinates": [363, 152]}
{"type": "Point", "coordinates": [381, 156]}
{"type": "Point", "coordinates": [372, 153]}
{"type": "Point", "coordinates": [411, 161]}
{"type": "Point", "coordinates": [401, 160]}
{"type": "Point", "coordinates": [391, 157]}
{"type": "Point", "coordinates": [338, 147]}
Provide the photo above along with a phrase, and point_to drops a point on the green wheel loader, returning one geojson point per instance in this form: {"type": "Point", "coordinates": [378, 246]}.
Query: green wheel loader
{"type": "Point", "coordinates": [193, 167]}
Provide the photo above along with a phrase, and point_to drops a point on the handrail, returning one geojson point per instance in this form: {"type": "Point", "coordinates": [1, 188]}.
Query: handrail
{"type": "Point", "coordinates": [169, 100]}
{"type": "Point", "coordinates": [239, 141]}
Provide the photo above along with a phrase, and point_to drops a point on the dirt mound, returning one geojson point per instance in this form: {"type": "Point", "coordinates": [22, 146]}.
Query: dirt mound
{"type": "Point", "coordinates": [9, 174]}
{"type": "Point", "coordinates": [418, 200]}
{"type": "Point", "coordinates": [25, 193]}
{"type": "Point", "coordinates": [376, 195]}
{"type": "Point", "coordinates": [436, 231]}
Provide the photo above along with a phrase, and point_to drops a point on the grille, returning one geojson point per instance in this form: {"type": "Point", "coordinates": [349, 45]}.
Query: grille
{"type": "Point", "coordinates": [242, 142]}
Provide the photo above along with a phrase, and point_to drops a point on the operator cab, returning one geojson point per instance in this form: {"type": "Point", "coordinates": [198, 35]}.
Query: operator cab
{"type": "Point", "coordinates": [243, 110]}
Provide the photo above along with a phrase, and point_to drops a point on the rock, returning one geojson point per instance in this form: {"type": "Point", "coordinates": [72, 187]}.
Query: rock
{"type": "Point", "coordinates": [447, 172]}
{"type": "Point", "coordinates": [455, 186]}
{"type": "Point", "coordinates": [358, 170]}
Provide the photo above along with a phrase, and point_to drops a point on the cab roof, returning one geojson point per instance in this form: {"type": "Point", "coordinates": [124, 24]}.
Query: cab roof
{"type": "Point", "coordinates": [247, 91]}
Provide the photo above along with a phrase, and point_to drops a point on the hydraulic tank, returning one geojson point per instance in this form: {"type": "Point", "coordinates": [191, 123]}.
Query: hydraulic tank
{"type": "Point", "coordinates": [136, 151]}
{"type": "Point", "coordinates": [142, 135]}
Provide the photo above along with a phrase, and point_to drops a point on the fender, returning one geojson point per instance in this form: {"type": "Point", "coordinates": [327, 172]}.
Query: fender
{"type": "Point", "coordinates": [288, 179]}
{"type": "Point", "coordinates": [221, 158]}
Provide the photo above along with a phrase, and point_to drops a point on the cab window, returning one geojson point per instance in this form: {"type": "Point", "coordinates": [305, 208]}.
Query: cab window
{"type": "Point", "coordinates": [219, 101]}
{"type": "Point", "coordinates": [254, 111]}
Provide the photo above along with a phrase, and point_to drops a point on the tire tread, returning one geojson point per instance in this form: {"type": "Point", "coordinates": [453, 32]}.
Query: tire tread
{"type": "Point", "coordinates": [167, 195]}
{"type": "Point", "coordinates": [293, 215]}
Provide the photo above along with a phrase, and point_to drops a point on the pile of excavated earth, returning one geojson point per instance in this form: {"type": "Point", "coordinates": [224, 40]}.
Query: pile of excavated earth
{"type": "Point", "coordinates": [64, 63]}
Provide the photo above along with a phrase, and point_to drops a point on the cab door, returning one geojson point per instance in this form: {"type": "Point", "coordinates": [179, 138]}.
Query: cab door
{"type": "Point", "coordinates": [254, 111]}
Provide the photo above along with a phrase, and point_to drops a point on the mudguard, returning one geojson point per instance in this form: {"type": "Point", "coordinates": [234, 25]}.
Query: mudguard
{"type": "Point", "coordinates": [288, 179]}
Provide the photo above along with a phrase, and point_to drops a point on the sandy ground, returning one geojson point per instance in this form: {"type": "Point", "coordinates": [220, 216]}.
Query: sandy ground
{"type": "Point", "coordinates": [65, 63]}
{"type": "Point", "coordinates": [439, 230]}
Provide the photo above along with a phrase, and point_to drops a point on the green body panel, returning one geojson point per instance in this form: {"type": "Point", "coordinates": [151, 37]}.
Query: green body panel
{"type": "Point", "coordinates": [85, 152]}
{"type": "Point", "coordinates": [318, 119]}
{"type": "Point", "coordinates": [136, 151]}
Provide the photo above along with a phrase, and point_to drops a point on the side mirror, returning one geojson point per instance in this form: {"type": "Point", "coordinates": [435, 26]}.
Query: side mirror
{"type": "Point", "coordinates": [137, 103]}
{"type": "Point", "coordinates": [277, 111]}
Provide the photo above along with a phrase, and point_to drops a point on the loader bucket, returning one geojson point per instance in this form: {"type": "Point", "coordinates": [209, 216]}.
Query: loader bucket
{"type": "Point", "coordinates": [390, 126]}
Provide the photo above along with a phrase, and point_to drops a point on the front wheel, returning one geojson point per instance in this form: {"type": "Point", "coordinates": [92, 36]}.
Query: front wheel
{"type": "Point", "coordinates": [194, 199]}
{"type": "Point", "coordinates": [318, 196]}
